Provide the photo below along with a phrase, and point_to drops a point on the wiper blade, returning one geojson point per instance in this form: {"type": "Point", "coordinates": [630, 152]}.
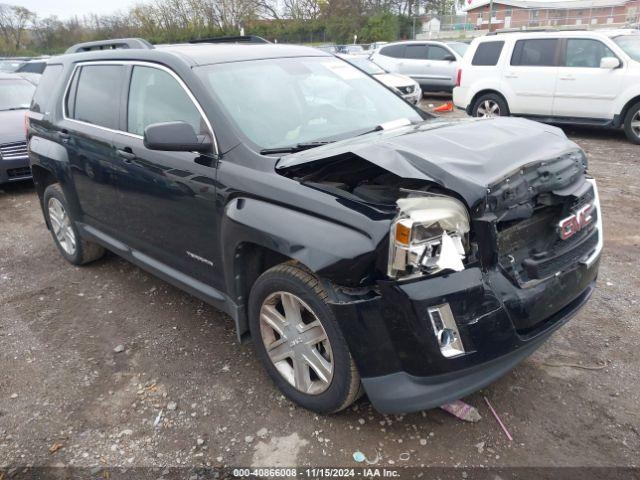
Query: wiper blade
{"type": "Point", "coordinates": [294, 148]}
{"type": "Point", "coordinates": [401, 122]}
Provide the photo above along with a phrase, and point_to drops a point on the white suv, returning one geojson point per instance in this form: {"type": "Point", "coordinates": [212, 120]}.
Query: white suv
{"type": "Point", "coordinates": [577, 77]}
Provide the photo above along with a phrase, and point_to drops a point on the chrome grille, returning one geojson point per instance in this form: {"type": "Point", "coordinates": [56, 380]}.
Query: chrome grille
{"type": "Point", "coordinates": [11, 151]}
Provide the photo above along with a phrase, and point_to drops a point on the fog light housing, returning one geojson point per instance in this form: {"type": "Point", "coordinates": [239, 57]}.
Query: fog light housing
{"type": "Point", "coordinates": [445, 330]}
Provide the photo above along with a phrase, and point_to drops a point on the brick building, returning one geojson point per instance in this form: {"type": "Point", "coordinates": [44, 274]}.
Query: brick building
{"type": "Point", "coordinates": [542, 13]}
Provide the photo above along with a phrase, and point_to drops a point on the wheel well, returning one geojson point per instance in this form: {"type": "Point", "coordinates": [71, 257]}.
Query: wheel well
{"type": "Point", "coordinates": [42, 178]}
{"type": "Point", "coordinates": [626, 108]}
{"type": "Point", "coordinates": [251, 261]}
{"type": "Point", "coordinates": [473, 101]}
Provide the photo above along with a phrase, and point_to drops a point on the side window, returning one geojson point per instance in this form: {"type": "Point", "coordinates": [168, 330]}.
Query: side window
{"type": "Point", "coordinates": [535, 52]}
{"type": "Point", "coordinates": [97, 88]}
{"type": "Point", "coordinates": [584, 52]}
{"type": "Point", "coordinates": [416, 52]}
{"type": "Point", "coordinates": [45, 92]}
{"type": "Point", "coordinates": [156, 97]}
{"type": "Point", "coordinates": [438, 53]}
{"type": "Point", "coordinates": [487, 54]}
{"type": "Point", "coordinates": [395, 51]}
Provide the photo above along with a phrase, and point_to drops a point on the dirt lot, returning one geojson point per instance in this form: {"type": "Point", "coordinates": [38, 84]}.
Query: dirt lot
{"type": "Point", "coordinates": [184, 393]}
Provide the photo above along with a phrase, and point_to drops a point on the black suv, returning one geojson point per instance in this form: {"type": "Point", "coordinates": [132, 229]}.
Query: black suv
{"type": "Point", "coordinates": [363, 245]}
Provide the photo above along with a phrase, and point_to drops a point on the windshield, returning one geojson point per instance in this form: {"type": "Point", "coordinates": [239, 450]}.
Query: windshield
{"type": "Point", "coordinates": [458, 47]}
{"type": "Point", "coordinates": [15, 94]}
{"type": "Point", "coordinates": [363, 63]}
{"type": "Point", "coordinates": [630, 44]}
{"type": "Point", "coordinates": [286, 101]}
{"type": "Point", "coordinates": [10, 66]}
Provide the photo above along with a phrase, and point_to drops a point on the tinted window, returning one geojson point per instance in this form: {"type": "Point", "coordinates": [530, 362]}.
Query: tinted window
{"type": "Point", "coordinates": [535, 52]}
{"type": "Point", "coordinates": [487, 53]}
{"type": "Point", "coordinates": [584, 52]}
{"type": "Point", "coordinates": [156, 97]}
{"type": "Point", "coordinates": [96, 98]}
{"type": "Point", "coordinates": [416, 52]}
{"type": "Point", "coordinates": [33, 67]}
{"type": "Point", "coordinates": [438, 53]}
{"type": "Point", "coordinates": [395, 51]}
{"type": "Point", "coordinates": [45, 91]}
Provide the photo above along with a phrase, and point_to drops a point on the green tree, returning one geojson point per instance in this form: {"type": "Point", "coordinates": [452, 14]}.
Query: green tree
{"type": "Point", "coordinates": [382, 26]}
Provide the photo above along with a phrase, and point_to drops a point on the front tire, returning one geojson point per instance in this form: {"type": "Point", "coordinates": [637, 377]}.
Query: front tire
{"type": "Point", "coordinates": [298, 340]}
{"type": "Point", "coordinates": [490, 105]}
{"type": "Point", "coordinates": [632, 124]}
{"type": "Point", "coordinates": [63, 229]}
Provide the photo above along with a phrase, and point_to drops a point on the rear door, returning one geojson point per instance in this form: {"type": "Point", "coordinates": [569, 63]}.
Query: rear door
{"type": "Point", "coordinates": [531, 75]}
{"type": "Point", "coordinates": [91, 115]}
{"type": "Point", "coordinates": [167, 198]}
{"type": "Point", "coordinates": [585, 90]}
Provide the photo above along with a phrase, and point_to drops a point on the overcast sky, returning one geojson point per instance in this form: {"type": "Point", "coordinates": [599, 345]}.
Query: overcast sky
{"type": "Point", "coordinates": [69, 8]}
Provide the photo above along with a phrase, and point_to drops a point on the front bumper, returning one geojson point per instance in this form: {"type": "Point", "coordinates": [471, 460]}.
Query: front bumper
{"type": "Point", "coordinates": [393, 343]}
{"type": "Point", "coordinates": [14, 170]}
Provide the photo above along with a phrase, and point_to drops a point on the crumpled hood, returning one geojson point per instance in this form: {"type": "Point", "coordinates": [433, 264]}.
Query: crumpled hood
{"type": "Point", "coordinates": [12, 126]}
{"type": "Point", "coordinates": [465, 156]}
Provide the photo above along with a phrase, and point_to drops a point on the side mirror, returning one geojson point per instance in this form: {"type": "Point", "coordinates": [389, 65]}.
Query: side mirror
{"type": "Point", "coordinates": [175, 137]}
{"type": "Point", "coordinates": [449, 58]}
{"type": "Point", "coordinates": [609, 63]}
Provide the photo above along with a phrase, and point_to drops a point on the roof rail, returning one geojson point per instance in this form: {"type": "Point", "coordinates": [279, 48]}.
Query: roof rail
{"type": "Point", "coordinates": [232, 39]}
{"type": "Point", "coordinates": [536, 30]}
{"type": "Point", "coordinates": [137, 43]}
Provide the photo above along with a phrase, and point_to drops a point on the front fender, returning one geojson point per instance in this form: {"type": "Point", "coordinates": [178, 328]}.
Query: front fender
{"type": "Point", "coordinates": [330, 249]}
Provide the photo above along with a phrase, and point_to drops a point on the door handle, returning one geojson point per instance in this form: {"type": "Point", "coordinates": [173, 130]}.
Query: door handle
{"type": "Point", "coordinates": [568, 77]}
{"type": "Point", "coordinates": [126, 154]}
{"type": "Point", "coordinates": [510, 75]}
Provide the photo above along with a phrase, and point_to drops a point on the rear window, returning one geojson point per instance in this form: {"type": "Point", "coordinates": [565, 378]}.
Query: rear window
{"type": "Point", "coordinates": [33, 67]}
{"type": "Point", "coordinates": [395, 51]}
{"type": "Point", "coordinates": [487, 54]}
{"type": "Point", "coordinates": [42, 99]}
{"type": "Point", "coordinates": [539, 52]}
{"type": "Point", "coordinates": [96, 93]}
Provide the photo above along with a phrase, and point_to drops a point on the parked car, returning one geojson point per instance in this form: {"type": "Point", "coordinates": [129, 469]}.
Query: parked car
{"type": "Point", "coordinates": [570, 77]}
{"type": "Point", "coordinates": [15, 97]}
{"type": "Point", "coordinates": [434, 65]}
{"type": "Point", "coordinates": [10, 65]}
{"type": "Point", "coordinates": [405, 86]}
{"type": "Point", "coordinates": [362, 244]}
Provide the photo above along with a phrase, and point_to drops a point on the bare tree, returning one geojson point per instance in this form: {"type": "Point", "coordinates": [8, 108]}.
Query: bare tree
{"type": "Point", "coordinates": [13, 23]}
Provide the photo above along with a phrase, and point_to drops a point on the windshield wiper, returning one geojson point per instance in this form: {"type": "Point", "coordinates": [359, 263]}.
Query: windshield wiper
{"type": "Point", "coordinates": [401, 122]}
{"type": "Point", "coordinates": [295, 148]}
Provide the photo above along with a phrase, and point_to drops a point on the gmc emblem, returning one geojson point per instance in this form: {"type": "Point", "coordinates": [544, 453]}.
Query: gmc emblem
{"type": "Point", "coordinates": [571, 225]}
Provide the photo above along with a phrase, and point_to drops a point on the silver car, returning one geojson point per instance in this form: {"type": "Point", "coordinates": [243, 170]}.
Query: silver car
{"type": "Point", "coordinates": [407, 87]}
{"type": "Point", "coordinates": [434, 65]}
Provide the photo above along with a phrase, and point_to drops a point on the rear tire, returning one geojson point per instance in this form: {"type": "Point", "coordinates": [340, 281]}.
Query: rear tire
{"type": "Point", "coordinates": [63, 229]}
{"type": "Point", "coordinates": [298, 340]}
{"type": "Point", "coordinates": [632, 124]}
{"type": "Point", "coordinates": [490, 105]}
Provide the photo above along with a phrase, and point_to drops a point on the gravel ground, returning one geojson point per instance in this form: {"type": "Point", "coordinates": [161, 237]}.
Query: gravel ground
{"type": "Point", "coordinates": [108, 366]}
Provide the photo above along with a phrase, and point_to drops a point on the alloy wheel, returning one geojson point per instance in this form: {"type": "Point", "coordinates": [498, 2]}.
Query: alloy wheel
{"type": "Point", "coordinates": [635, 124]}
{"type": "Point", "coordinates": [61, 225]}
{"type": "Point", "coordinates": [488, 109]}
{"type": "Point", "coordinates": [296, 342]}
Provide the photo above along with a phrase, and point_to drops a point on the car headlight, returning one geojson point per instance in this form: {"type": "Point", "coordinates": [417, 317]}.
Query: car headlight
{"type": "Point", "coordinates": [427, 236]}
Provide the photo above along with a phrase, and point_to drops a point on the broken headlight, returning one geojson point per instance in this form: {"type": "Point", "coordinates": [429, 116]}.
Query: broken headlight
{"type": "Point", "coordinates": [427, 236]}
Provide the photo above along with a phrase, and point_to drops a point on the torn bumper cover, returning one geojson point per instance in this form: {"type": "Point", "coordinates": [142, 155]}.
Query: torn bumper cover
{"type": "Point", "coordinates": [402, 365]}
